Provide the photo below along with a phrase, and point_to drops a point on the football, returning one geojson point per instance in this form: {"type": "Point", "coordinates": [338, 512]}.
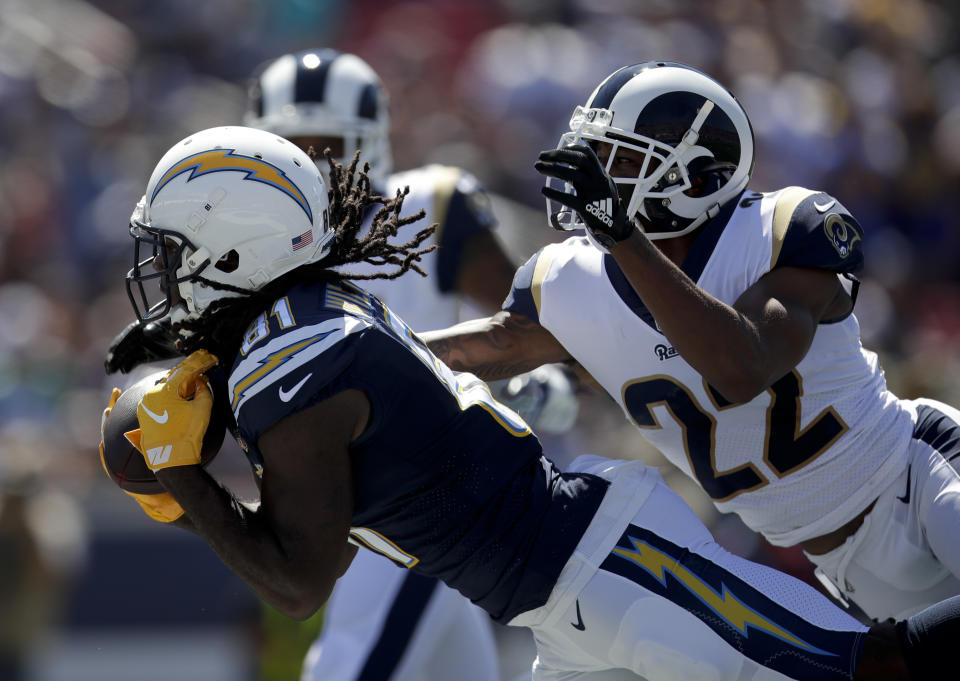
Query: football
{"type": "Point", "coordinates": [123, 462]}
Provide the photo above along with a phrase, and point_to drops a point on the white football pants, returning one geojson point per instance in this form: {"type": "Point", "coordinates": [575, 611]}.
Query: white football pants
{"type": "Point", "coordinates": [649, 593]}
{"type": "Point", "coordinates": [906, 554]}
{"type": "Point", "coordinates": [386, 623]}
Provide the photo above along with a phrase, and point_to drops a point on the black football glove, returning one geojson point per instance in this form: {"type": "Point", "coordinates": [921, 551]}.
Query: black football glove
{"type": "Point", "coordinates": [139, 344]}
{"type": "Point", "coordinates": [596, 201]}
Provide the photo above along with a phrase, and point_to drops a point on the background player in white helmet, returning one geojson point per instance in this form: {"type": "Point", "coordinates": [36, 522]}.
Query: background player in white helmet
{"type": "Point", "coordinates": [326, 99]}
{"type": "Point", "coordinates": [730, 337]}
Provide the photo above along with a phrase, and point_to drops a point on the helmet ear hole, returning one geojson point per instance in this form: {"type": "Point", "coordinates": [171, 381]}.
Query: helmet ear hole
{"type": "Point", "coordinates": [229, 262]}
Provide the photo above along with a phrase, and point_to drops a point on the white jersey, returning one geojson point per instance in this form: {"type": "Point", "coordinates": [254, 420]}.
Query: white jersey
{"type": "Point", "coordinates": [454, 200]}
{"type": "Point", "coordinates": [800, 459]}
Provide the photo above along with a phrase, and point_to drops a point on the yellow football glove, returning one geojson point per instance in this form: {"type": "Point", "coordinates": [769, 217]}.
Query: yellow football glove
{"type": "Point", "coordinates": [161, 507]}
{"type": "Point", "coordinates": [114, 396]}
{"type": "Point", "coordinates": [174, 415]}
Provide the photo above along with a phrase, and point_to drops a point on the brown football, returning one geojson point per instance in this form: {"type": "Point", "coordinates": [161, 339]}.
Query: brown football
{"type": "Point", "coordinates": [123, 462]}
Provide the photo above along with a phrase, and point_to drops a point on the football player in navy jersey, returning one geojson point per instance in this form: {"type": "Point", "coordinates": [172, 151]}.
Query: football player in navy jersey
{"type": "Point", "coordinates": [730, 338]}
{"type": "Point", "coordinates": [323, 98]}
{"type": "Point", "coordinates": [360, 437]}
{"type": "Point", "coordinates": [326, 99]}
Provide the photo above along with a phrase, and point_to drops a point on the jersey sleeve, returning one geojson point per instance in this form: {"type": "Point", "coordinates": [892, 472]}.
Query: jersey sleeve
{"type": "Point", "coordinates": [817, 231]}
{"type": "Point", "coordinates": [291, 372]}
{"type": "Point", "coordinates": [462, 209]}
{"type": "Point", "coordinates": [524, 292]}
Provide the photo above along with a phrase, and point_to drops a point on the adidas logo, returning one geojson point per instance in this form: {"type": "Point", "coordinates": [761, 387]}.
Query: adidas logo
{"type": "Point", "coordinates": [159, 455]}
{"type": "Point", "coordinates": [602, 210]}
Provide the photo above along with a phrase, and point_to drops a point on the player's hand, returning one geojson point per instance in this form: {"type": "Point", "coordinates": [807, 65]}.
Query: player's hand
{"type": "Point", "coordinates": [139, 344]}
{"type": "Point", "coordinates": [545, 398]}
{"type": "Point", "coordinates": [114, 396]}
{"type": "Point", "coordinates": [174, 414]}
{"type": "Point", "coordinates": [161, 507]}
{"type": "Point", "coordinates": [596, 200]}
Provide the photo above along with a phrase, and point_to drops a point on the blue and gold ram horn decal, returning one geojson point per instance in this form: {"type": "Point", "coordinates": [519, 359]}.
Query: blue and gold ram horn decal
{"type": "Point", "coordinates": [218, 160]}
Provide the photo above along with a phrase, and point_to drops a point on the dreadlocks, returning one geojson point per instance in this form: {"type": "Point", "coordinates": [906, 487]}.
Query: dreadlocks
{"type": "Point", "coordinates": [221, 327]}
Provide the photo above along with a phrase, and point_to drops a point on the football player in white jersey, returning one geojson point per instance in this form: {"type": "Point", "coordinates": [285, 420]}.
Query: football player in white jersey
{"type": "Point", "coordinates": [729, 338]}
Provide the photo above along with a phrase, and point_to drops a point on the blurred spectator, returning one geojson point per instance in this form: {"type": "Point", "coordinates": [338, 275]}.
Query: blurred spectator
{"type": "Point", "coordinates": [42, 538]}
{"type": "Point", "coordinates": [861, 97]}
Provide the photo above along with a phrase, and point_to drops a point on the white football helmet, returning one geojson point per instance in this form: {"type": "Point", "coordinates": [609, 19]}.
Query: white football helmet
{"type": "Point", "coordinates": [325, 93]}
{"type": "Point", "coordinates": [685, 125]}
{"type": "Point", "coordinates": [233, 206]}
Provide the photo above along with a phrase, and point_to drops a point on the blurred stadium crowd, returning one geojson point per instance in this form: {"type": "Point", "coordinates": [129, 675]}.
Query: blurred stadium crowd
{"type": "Point", "coordinates": [858, 97]}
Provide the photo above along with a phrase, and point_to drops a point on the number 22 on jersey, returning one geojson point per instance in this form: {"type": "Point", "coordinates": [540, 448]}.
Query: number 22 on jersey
{"type": "Point", "coordinates": [786, 448]}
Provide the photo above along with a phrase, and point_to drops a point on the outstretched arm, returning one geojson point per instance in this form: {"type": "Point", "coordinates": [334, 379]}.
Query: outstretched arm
{"type": "Point", "coordinates": [496, 347]}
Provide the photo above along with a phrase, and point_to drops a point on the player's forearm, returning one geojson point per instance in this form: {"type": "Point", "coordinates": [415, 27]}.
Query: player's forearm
{"type": "Point", "coordinates": [714, 338]}
{"type": "Point", "coordinates": [496, 347]}
{"type": "Point", "coordinates": [245, 541]}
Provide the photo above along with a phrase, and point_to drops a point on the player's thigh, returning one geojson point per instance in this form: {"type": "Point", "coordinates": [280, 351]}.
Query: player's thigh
{"type": "Point", "coordinates": [669, 603]}
{"type": "Point", "coordinates": [906, 554]}
{"type": "Point", "coordinates": [453, 640]}
{"type": "Point", "coordinates": [887, 567]}
{"type": "Point", "coordinates": [363, 595]}
{"type": "Point", "coordinates": [369, 622]}
{"type": "Point", "coordinates": [938, 483]}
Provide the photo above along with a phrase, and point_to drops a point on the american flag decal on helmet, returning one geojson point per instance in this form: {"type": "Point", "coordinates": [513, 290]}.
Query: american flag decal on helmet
{"type": "Point", "coordinates": [304, 239]}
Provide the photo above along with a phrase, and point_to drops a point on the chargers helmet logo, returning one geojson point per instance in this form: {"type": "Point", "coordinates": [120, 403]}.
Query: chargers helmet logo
{"type": "Point", "coordinates": [219, 160]}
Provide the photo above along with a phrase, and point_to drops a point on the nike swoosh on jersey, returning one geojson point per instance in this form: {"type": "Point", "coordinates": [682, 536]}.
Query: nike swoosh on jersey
{"type": "Point", "coordinates": [579, 625]}
{"type": "Point", "coordinates": [824, 207]}
{"type": "Point", "coordinates": [159, 418]}
{"type": "Point", "coordinates": [906, 495]}
{"type": "Point", "coordinates": [287, 395]}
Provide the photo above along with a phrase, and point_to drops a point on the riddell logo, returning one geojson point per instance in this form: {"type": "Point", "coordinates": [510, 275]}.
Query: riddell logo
{"type": "Point", "coordinates": [602, 210]}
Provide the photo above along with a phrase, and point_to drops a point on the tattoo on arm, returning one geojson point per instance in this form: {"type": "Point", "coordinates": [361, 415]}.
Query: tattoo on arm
{"type": "Point", "coordinates": [499, 347]}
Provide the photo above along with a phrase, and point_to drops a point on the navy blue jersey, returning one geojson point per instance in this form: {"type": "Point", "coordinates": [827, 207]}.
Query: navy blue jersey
{"type": "Point", "coordinates": [446, 480]}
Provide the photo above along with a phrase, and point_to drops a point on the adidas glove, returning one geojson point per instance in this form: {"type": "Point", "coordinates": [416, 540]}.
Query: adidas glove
{"type": "Point", "coordinates": [596, 200]}
{"type": "Point", "coordinates": [174, 415]}
{"type": "Point", "coordinates": [139, 344]}
{"type": "Point", "coordinates": [161, 507]}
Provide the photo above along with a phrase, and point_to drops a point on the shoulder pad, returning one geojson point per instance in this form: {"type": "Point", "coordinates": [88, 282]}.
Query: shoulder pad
{"type": "Point", "coordinates": [525, 294]}
{"type": "Point", "coordinates": [461, 209]}
{"type": "Point", "coordinates": [813, 229]}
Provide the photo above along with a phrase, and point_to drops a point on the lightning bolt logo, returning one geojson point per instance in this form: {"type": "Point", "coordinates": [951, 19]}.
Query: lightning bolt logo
{"type": "Point", "coordinates": [269, 363]}
{"type": "Point", "coordinates": [725, 604]}
{"type": "Point", "coordinates": [220, 160]}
